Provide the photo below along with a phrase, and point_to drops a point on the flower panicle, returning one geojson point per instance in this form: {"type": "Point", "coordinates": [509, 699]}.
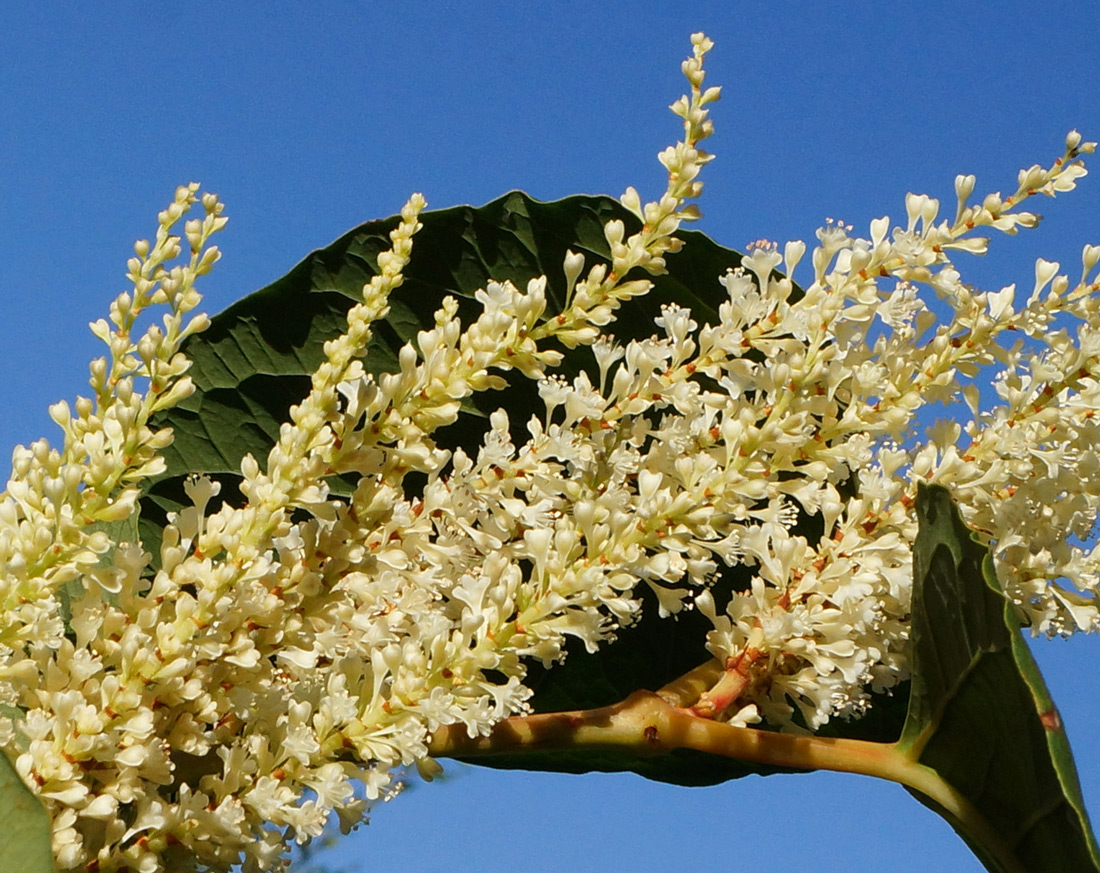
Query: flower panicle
{"type": "Point", "coordinates": [918, 251]}
{"type": "Point", "coordinates": [282, 660]}
{"type": "Point", "coordinates": [55, 497]}
{"type": "Point", "coordinates": [592, 301]}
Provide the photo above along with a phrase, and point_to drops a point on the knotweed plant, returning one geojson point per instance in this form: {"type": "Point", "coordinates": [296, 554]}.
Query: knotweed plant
{"type": "Point", "coordinates": [287, 657]}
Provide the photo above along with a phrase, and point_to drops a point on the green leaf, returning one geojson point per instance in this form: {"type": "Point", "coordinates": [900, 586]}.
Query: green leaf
{"type": "Point", "coordinates": [254, 361]}
{"type": "Point", "coordinates": [25, 844]}
{"type": "Point", "coordinates": [980, 715]}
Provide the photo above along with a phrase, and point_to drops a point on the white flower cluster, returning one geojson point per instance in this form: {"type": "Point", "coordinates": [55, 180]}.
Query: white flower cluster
{"type": "Point", "coordinates": [287, 657]}
{"type": "Point", "coordinates": [830, 419]}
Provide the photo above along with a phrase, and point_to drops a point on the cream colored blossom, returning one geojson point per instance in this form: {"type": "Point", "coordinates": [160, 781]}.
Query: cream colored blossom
{"type": "Point", "coordinates": [286, 659]}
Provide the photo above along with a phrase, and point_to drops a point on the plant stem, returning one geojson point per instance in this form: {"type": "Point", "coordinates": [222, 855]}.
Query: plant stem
{"type": "Point", "coordinates": [685, 691]}
{"type": "Point", "coordinates": [647, 724]}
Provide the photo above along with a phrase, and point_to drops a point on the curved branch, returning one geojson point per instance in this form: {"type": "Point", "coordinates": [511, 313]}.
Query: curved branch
{"type": "Point", "coordinates": [647, 724]}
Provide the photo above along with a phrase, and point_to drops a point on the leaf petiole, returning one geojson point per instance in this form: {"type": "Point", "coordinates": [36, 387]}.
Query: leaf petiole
{"type": "Point", "coordinates": [645, 723]}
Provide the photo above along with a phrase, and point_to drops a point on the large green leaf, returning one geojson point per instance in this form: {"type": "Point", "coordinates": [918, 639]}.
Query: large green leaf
{"type": "Point", "coordinates": [25, 844]}
{"type": "Point", "coordinates": [980, 715]}
{"type": "Point", "coordinates": [254, 361]}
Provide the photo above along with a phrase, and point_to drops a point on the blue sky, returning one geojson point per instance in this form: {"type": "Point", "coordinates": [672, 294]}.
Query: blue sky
{"type": "Point", "coordinates": [311, 118]}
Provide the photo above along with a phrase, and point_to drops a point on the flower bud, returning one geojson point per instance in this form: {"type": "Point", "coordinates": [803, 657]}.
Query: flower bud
{"type": "Point", "coordinates": [964, 187]}
{"type": "Point", "coordinates": [1089, 257]}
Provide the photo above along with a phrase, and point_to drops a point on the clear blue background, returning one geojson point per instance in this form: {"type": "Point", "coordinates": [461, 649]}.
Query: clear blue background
{"type": "Point", "coordinates": [309, 118]}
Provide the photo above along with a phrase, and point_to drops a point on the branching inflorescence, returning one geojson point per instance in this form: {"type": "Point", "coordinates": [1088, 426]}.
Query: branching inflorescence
{"type": "Point", "coordinates": [272, 670]}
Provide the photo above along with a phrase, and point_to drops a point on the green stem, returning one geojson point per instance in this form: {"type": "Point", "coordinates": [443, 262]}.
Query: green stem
{"type": "Point", "coordinates": [647, 724]}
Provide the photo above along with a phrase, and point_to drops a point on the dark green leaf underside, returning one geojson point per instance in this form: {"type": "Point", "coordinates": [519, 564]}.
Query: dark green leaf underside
{"type": "Point", "coordinates": [254, 361]}
{"type": "Point", "coordinates": [250, 364]}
